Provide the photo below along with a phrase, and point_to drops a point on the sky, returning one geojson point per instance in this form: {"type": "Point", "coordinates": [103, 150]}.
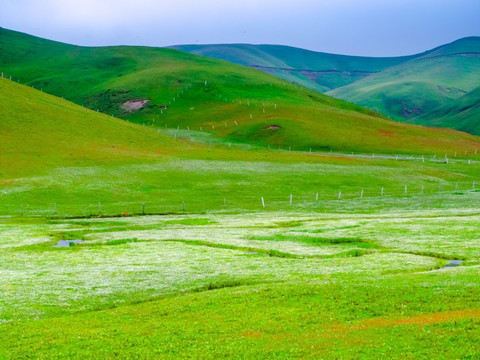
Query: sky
{"type": "Point", "coordinates": [351, 27]}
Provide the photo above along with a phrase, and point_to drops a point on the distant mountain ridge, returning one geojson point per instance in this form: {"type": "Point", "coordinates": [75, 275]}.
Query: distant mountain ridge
{"type": "Point", "coordinates": [404, 88]}
{"type": "Point", "coordinates": [299, 65]}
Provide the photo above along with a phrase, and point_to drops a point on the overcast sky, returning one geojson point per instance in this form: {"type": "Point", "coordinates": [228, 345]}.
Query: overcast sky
{"type": "Point", "coordinates": [353, 27]}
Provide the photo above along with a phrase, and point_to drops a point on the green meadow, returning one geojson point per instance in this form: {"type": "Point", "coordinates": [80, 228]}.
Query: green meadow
{"type": "Point", "coordinates": [180, 259]}
{"type": "Point", "coordinates": [319, 229]}
{"type": "Point", "coordinates": [435, 88]}
{"type": "Point", "coordinates": [287, 284]}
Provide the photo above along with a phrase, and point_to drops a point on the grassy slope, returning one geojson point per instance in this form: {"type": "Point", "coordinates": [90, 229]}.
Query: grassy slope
{"type": "Point", "coordinates": [117, 296]}
{"type": "Point", "coordinates": [462, 114]}
{"type": "Point", "coordinates": [315, 70]}
{"type": "Point", "coordinates": [54, 151]}
{"type": "Point", "coordinates": [40, 131]}
{"type": "Point", "coordinates": [237, 103]}
{"type": "Point", "coordinates": [419, 86]}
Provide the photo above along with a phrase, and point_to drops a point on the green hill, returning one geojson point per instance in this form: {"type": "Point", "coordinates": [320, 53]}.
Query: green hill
{"type": "Point", "coordinates": [400, 87]}
{"type": "Point", "coordinates": [417, 87]}
{"type": "Point", "coordinates": [232, 102]}
{"type": "Point", "coordinates": [39, 132]}
{"type": "Point", "coordinates": [315, 70]}
{"type": "Point", "coordinates": [461, 114]}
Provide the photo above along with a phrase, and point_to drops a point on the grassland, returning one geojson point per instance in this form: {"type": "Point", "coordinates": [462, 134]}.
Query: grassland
{"type": "Point", "coordinates": [315, 70]}
{"type": "Point", "coordinates": [355, 277]}
{"type": "Point", "coordinates": [419, 86]}
{"type": "Point", "coordinates": [230, 102]}
{"type": "Point", "coordinates": [289, 284]}
{"type": "Point", "coordinates": [342, 260]}
{"type": "Point", "coordinates": [404, 88]}
{"type": "Point", "coordinates": [461, 114]}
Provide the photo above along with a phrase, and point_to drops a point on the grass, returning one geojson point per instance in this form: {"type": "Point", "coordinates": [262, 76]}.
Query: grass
{"type": "Point", "coordinates": [460, 114]}
{"type": "Point", "coordinates": [217, 274]}
{"type": "Point", "coordinates": [404, 88]}
{"type": "Point", "coordinates": [94, 164]}
{"type": "Point", "coordinates": [211, 295]}
{"type": "Point", "coordinates": [315, 70]}
{"type": "Point", "coordinates": [232, 102]}
{"type": "Point", "coordinates": [418, 87]}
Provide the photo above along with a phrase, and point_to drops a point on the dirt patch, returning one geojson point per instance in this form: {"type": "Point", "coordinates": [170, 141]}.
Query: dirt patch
{"type": "Point", "coordinates": [132, 105]}
{"type": "Point", "coordinates": [387, 133]}
{"type": "Point", "coordinates": [272, 127]}
{"type": "Point", "coordinates": [252, 334]}
{"type": "Point", "coordinates": [355, 333]}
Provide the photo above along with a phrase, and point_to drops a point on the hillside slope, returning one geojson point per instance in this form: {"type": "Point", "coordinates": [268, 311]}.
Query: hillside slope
{"type": "Point", "coordinates": [462, 114]}
{"type": "Point", "coordinates": [315, 70]}
{"type": "Point", "coordinates": [417, 87]}
{"type": "Point", "coordinates": [40, 131]}
{"type": "Point", "coordinates": [174, 89]}
{"type": "Point", "coordinates": [401, 87]}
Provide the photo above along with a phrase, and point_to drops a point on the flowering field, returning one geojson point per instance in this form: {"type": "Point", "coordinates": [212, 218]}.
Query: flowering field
{"type": "Point", "coordinates": [284, 284]}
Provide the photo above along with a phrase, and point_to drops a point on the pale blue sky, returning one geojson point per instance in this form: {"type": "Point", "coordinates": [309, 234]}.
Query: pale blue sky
{"type": "Point", "coordinates": [354, 27]}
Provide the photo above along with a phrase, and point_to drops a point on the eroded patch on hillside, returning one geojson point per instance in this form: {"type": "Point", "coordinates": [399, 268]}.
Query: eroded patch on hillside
{"type": "Point", "coordinates": [132, 105]}
{"type": "Point", "coordinates": [273, 127]}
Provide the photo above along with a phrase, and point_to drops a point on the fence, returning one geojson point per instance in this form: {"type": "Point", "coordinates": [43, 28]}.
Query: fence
{"type": "Point", "coordinates": [343, 199]}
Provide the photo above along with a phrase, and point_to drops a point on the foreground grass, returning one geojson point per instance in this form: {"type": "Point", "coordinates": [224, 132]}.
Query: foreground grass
{"type": "Point", "coordinates": [303, 320]}
{"type": "Point", "coordinates": [219, 285]}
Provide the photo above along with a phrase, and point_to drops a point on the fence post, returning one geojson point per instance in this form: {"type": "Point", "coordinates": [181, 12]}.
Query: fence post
{"type": "Point", "coordinates": [143, 208]}
{"type": "Point", "coordinates": [339, 195]}
{"type": "Point", "coordinates": [21, 206]}
{"type": "Point", "coordinates": [381, 193]}
{"type": "Point", "coordinates": [263, 202]}
{"type": "Point", "coordinates": [99, 208]}
{"type": "Point", "coordinates": [183, 205]}
{"type": "Point", "coordinates": [291, 199]}
{"type": "Point", "coordinates": [316, 197]}
{"type": "Point", "coordinates": [361, 194]}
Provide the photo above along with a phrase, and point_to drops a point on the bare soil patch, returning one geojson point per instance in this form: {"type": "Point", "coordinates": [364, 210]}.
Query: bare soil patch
{"type": "Point", "coordinates": [132, 105]}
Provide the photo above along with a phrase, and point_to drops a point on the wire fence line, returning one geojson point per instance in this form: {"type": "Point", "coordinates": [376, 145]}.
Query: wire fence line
{"type": "Point", "coordinates": [238, 202]}
{"type": "Point", "coordinates": [458, 156]}
{"type": "Point", "coordinates": [189, 133]}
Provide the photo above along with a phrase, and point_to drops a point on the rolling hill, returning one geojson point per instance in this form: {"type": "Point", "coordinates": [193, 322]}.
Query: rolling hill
{"type": "Point", "coordinates": [39, 132]}
{"type": "Point", "coordinates": [462, 114]}
{"type": "Point", "coordinates": [169, 88]}
{"type": "Point", "coordinates": [417, 87]}
{"type": "Point", "coordinates": [316, 70]}
{"type": "Point", "coordinates": [401, 87]}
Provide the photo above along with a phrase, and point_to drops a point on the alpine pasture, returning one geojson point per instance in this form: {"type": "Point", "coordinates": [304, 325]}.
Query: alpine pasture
{"type": "Point", "coordinates": [316, 229]}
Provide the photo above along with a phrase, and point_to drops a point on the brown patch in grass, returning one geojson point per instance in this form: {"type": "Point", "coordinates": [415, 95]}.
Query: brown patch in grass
{"type": "Point", "coordinates": [272, 127]}
{"type": "Point", "coordinates": [251, 334]}
{"type": "Point", "coordinates": [132, 105]}
{"type": "Point", "coordinates": [387, 133]}
{"type": "Point", "coordinates": [340, 331]}
{"type": "Point", "coordinates": [421, 320]}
